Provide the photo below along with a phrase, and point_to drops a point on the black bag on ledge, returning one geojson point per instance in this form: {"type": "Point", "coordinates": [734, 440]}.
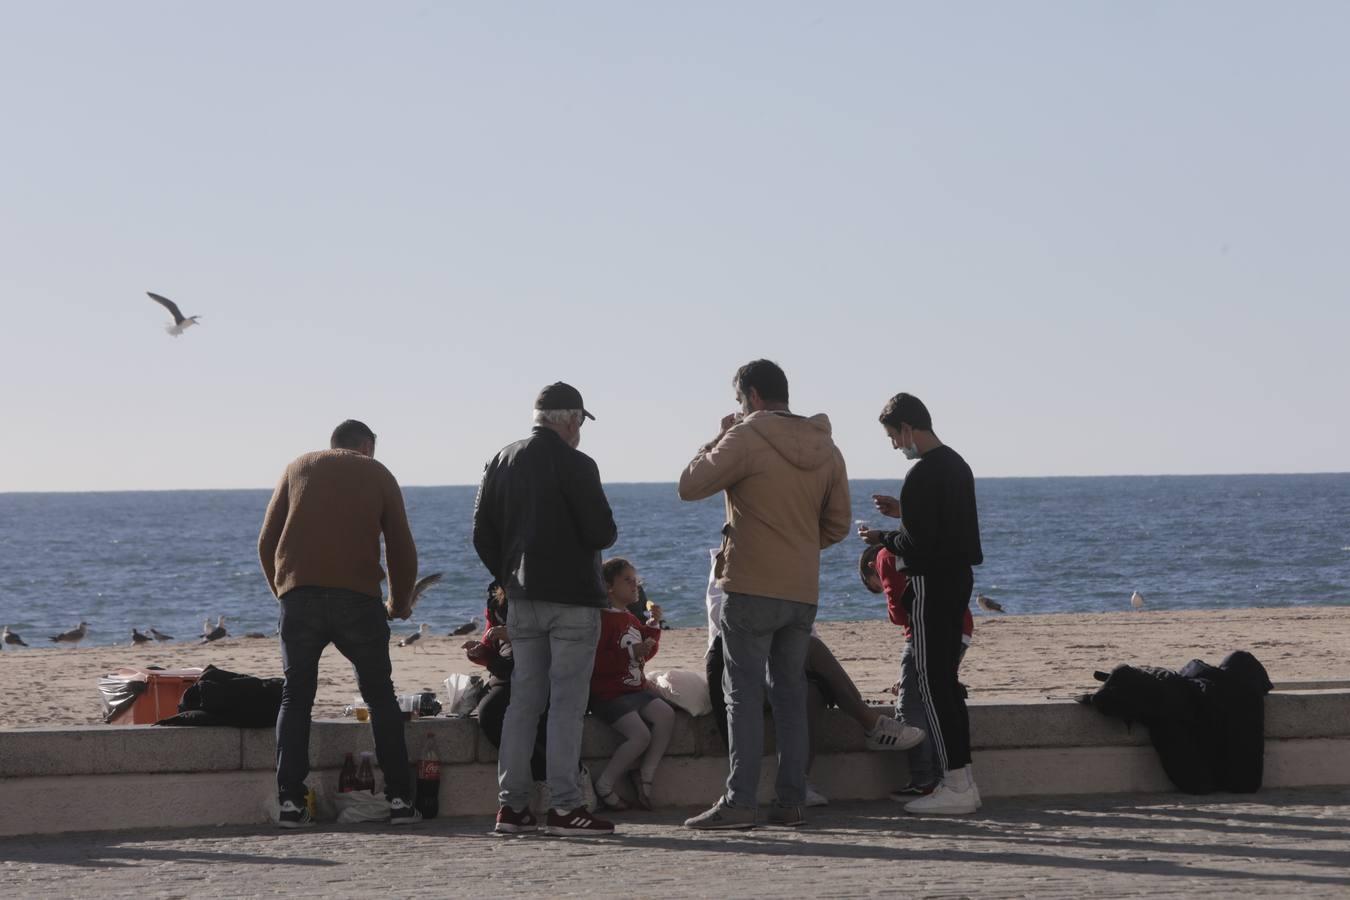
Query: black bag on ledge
{"type": "Point", "coordinates": [228, 698]}
{"type": "Point", "coordinates": [1207, 723]}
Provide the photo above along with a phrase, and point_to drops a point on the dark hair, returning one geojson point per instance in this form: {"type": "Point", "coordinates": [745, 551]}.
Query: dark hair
{"type": "Point", "coordinates": [350, 435]}
{"type": "Point", "coordinates": [613, 567]}
{"type": "Point", "coordinates": [906, 409]}
{"type": "Point", "coordinates": [765, 377]}
{"type": "Point", "coordinates": [867, 564]}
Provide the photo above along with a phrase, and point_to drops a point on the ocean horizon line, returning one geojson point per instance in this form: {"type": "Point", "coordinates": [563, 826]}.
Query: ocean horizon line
{"type": "Point", "coordinates": [895, 477]}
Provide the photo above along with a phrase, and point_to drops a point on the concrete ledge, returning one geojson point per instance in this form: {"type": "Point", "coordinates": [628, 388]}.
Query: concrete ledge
{"type": "Point", "coordinates": [101, 749]}
{"type": "Point", "coordinates": [98, 777]}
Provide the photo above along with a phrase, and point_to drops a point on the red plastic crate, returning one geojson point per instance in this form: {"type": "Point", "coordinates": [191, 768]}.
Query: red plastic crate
{"type": "Point", "coordinates": [158, 701]}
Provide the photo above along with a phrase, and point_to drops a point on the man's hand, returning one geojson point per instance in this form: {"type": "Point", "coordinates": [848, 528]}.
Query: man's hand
{"type": "Point", "coordinates": [728, 422]}
{"type": "Point", "coordinates": [497, 633]}
{"type": "Point", "coordinates": [887, 506]}
{"type": "Point", "coordinates": [398, 610]}
{"type": "Point", "coordinates": [869, 536]}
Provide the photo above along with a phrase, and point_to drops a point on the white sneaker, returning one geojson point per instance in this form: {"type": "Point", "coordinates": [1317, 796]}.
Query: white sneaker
{"type": "Point", "coordinates": [947, 800]}
{"type": "Point", "coordinates": [891, 734]}
{"type": "Point", "coordinates": [814, 797]}
{"type": "Point", "coordinates": [970, 780]}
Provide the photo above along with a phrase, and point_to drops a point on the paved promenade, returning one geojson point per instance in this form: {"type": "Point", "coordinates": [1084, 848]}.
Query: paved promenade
{"type": "Point", "coordinates": [1293, 843]}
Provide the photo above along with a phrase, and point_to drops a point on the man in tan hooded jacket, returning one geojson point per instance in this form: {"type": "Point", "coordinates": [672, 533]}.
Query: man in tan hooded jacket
{"type": "Point", "coordinates": [787, 499]}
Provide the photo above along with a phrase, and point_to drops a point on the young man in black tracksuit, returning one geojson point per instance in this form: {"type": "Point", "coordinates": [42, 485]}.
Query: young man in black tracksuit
{"type": "Point", "coordinates": [938, 541]}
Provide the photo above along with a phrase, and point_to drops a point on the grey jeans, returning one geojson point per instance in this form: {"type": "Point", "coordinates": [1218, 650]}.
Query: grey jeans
{"type": "Point", "coordinates": [554, 649]}
{"type": "Point", "coordinates": [923, 767]}
{"type": "Point", "coordinates": [759, 632]}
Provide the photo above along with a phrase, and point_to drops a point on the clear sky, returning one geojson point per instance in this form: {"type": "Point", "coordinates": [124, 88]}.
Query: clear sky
{"type": "Point", "coordinates": [1096, 238]}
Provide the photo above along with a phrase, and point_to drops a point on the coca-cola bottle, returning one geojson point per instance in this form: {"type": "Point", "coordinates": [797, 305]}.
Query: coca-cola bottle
{"type": "Point", "coordinates": [347, 779]}
{"type": "Point", "coordinates": [365, 776]}
{"type": "Point", "coordinates": [429, 780]}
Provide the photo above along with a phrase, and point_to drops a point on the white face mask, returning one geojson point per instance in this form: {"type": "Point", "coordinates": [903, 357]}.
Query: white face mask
{"type": "Point", "coordinates": [911, 450]}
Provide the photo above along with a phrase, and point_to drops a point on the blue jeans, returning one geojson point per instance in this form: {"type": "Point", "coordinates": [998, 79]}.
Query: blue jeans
{"type": "Point", "coordinates": [923, 767]}
{"type": "Point", "coordinates": [311, 619]}
{"type": "Point", "coordinates": [553, 645]}
{"type": "Point", "coordinates": [757, 631]}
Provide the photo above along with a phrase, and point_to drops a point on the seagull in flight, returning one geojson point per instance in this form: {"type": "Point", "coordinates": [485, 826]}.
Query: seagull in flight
{"type": "Point", "coordinates": [988, 604]}
{"type": "Point", "coordinates": [181, 322]}
{"type": "Point", "coordinates": [74, 636]}
{"type": "Point", "coordinates": [421, 586]}
{"type": "Point", "coordinates": [412, 639]}
{"type": "Point", "coordinates": [11, 638]}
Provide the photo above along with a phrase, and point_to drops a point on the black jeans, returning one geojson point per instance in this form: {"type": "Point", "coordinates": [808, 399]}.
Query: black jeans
{"type": "Point", "coordinates": [311, 619]}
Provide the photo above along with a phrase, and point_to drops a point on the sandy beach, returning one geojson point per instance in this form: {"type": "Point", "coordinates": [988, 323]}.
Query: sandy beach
{"type": "Point", "coordinates": [1011, 657]}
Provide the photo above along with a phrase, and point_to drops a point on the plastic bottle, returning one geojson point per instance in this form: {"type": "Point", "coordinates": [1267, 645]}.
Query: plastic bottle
{"type": "Point", "coordinates": [365, 776]}
{"type": "Point", "coordinates": [347, 779]}
{"type": "Point", "coordinates": [429, 780]}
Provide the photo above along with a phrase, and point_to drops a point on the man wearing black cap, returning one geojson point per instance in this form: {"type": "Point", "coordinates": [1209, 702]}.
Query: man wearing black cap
{"type": "Point", "coordinates": [539, 523]}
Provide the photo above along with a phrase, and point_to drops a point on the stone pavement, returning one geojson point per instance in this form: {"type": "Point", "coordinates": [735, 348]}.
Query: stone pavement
{"type": "Point", "coordinates": [1292, 842]}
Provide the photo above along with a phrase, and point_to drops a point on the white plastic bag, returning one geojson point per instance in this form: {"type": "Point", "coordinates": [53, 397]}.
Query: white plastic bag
{"type": "Point", "coordinates": [361, 806]}
{"type": "Point", "coordinates": [687, 690]}
{"type": "Point", "coordinates": [462, 693]}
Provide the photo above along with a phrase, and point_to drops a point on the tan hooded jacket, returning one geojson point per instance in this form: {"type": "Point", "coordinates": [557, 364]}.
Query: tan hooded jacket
{"type": "Point", "coordinates": [787, 499]}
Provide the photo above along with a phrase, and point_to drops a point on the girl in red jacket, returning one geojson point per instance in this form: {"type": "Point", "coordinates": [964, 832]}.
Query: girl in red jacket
{"type": "Point", "coordinates": [619, 693]}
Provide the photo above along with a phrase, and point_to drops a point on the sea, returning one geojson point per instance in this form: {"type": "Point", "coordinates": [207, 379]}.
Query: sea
{"type": "Point", "coordinates": [170, 559]}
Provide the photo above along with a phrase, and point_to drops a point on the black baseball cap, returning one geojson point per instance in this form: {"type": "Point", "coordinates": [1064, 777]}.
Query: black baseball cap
{"type": "Point", "coordinates": [560, 395]}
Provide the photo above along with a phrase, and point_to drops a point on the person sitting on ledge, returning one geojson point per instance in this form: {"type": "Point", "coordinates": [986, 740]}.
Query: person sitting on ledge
{"type": "Point", "coordinates": [620, 693]}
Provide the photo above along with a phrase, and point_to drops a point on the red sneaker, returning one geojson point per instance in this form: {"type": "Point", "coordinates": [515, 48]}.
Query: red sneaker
{"type": "Point", "coordinates": [576, 822]}
{"type": "Point", "coordinates": [511, 822]}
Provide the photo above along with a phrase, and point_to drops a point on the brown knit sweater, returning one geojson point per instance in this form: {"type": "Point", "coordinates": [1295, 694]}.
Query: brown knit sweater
{"type": "Point", "coordinates": [323, 526]}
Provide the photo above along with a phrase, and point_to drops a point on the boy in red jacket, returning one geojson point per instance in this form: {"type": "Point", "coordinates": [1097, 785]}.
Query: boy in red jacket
{"type": "Point", "coordinates": [619, 692]}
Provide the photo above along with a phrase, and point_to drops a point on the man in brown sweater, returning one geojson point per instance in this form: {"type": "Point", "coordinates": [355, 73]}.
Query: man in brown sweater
{"type": "Point", "coordinates": [320, 551]}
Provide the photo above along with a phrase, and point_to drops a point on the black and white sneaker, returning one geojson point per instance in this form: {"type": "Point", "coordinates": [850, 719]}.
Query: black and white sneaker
{"type": "Point", "coordinates": [292, 816]}
{"type": "Point", "coordinates": [401, 812]}
{"type": "Point", "coordinates": [576, 822]}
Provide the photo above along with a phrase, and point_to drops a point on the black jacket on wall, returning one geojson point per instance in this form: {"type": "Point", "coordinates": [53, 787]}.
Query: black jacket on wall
{"type": "Point", "coordinates": [1207, 723]}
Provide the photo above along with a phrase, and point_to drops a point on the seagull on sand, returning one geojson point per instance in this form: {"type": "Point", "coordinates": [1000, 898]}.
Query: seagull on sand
{"type": "Point", "coordinates": [74, 636]}
{"type": "Point", "coordinates": [1137, 600]}
{"type": "Point", "coordinates": [412, 639]}
{"type": "Point", "coordinates": [138, 638]}
{"type": "Point", "coordinates": [11, 638]}
{"type": "Point", "coordinates": [467, 628]}
{"type": "Point", "coordinates": [160, 636]}
{"type": "Point", "coordinates": [988, 604]}
{"type": "Point", "coordinates": [216, 633]}
{"type": "Point", "coordinates": [181, 322]}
